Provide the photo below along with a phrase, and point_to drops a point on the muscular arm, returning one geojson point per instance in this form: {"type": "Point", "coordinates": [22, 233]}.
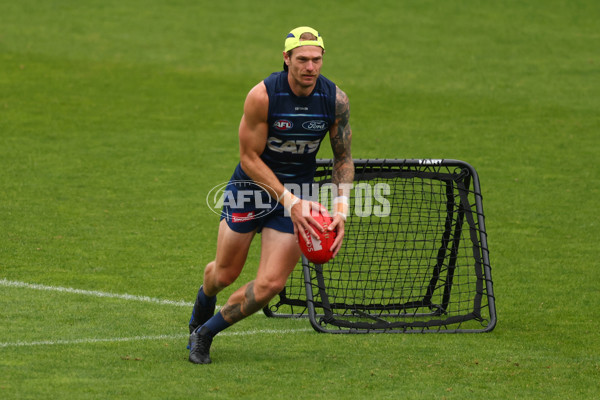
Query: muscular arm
{"type": "Point", "coordinates": [340, 136]}
{"type": "Point", "coordinates": [253, 138]}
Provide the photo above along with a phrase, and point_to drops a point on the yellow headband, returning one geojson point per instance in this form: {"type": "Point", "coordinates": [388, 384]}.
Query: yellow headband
{"type": "Point", "coordinates": [293, 39]}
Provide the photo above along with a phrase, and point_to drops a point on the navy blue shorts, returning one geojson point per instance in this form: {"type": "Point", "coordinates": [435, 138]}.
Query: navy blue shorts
{"type": "Point", "coordinates": [247, 207]}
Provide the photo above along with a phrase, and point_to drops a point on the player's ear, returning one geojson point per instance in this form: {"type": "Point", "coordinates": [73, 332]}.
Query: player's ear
{"type": "Point", "coordinates": [286, 58]}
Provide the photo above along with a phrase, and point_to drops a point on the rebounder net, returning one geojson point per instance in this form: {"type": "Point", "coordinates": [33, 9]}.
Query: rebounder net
{"type": "Point", "coordinates": [414, 256]}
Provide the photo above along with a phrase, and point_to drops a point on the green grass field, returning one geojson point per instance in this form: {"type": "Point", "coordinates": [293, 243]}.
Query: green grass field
{"type": "Point", "coordinates": [117, 117]}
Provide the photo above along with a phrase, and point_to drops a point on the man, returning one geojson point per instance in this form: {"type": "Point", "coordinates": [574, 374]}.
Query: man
{"type": "Point", "coordinates": [285, 118]}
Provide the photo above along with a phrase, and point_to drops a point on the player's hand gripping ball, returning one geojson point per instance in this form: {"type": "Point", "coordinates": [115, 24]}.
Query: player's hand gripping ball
{"type": "Point", "coordinates": [316, 249]}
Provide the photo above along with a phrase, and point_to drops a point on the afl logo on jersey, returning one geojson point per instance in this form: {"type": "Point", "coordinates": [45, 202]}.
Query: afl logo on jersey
{"type": "Point", "coordinates": [282, 125]}
{"type": "Point", "coordinates": [316, 126]}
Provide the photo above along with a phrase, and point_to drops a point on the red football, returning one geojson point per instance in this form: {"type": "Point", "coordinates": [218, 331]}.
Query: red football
{"type": "Point", "coordinates": [316, 249]}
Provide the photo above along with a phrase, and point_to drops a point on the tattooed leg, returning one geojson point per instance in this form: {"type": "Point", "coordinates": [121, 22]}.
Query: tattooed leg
{"type": "Point", "coordinates": [242, 304]}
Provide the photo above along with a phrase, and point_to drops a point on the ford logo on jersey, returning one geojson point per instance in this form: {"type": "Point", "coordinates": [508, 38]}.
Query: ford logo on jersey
{"type": "Point", "coordinates": [315, 125]}
{"type": "Point", "coordinates": [282, 125]}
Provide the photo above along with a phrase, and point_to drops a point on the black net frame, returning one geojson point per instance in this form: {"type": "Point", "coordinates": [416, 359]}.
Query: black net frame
{"type": "Point", "coordinates": [419, 265]}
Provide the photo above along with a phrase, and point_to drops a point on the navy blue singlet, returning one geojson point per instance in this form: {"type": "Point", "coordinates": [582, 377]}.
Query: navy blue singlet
{"type": "Point", "coordinates": [297, 125]}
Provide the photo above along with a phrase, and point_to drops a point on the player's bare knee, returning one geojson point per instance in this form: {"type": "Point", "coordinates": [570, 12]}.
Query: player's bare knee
{"type": "Point", "coordinates": [265, 291]}
{"type": "Point", "coordinates": [209, 270]}
{"type": "Point", "coordinates": [223, 279]}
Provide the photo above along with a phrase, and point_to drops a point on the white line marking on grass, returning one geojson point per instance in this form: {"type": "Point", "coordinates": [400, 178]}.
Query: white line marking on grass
{"type": "Point", "coordinates": [95, 293]}
{"type": "Point", "coordinates": [89, 340]}
{"type": "Point", "coordinates": [140, 338]}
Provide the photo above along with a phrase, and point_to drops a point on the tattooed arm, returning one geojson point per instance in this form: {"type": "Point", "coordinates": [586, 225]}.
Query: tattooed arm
{"type": "Point", "coordinates": [340, 136]}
